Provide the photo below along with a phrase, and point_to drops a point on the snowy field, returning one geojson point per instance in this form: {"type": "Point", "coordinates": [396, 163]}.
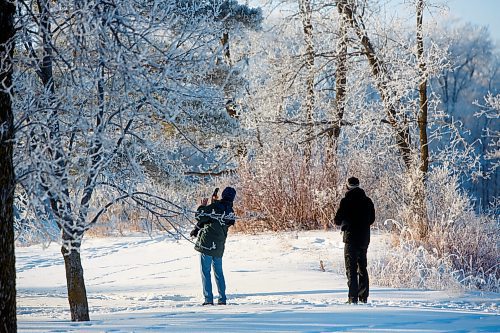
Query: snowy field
{"type": "Point", "coordinates": [274, 284]}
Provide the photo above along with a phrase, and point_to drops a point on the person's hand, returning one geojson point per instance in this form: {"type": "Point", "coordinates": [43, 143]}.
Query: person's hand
{"type": "Point", "coordinates": [204, 201]}
{"type": "Point", "coordinates": [194, 232]}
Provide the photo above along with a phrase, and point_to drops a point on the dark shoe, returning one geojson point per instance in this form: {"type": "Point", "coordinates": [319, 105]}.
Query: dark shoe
{"type": "Point", "coordinates": [363, 300]}
{"type": "Point", "coordinates": [219, 302]}
{"type": "Point", "coordinates": [352, 301]}
{"type": "Point", "coordinates": [208, 303]}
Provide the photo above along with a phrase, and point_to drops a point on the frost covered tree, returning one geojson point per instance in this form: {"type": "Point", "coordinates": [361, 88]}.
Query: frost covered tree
{"type": "Point", "coordinates": [374, 91]}
{"type": "Point", "coordinates": [8, 321]}
{"type": "Point", "coordinates": [473, 73]}
{"type": "Point", "coordinates": [229, 22]}
{"type": "Point", "coordinates": [297, 102]}
{"type": "Point", "coordinates": [112, 95]}
{"type": "Point", "coordinates": [382, 78]}
{"type": "Point", "coordinates": [367, 90]}
{"type": "Point", "coordinates": [396, 94]}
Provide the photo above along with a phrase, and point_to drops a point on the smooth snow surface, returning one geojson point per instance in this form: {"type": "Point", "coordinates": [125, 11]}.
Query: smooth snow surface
{"type": "Point", "coordinates": [274, 284]}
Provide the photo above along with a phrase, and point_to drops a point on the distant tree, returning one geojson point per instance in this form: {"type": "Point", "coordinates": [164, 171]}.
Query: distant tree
{"type": "Point", "coordinates": [472, 74]}
{"type": "Point", "coordinates": [298, 96]}
{"type": "Point", "coordinates": [304, 73]}
{"type": "Point", "coordinates": [8, 321]}
{"type": "Point", "coordinates": [471, 53]}
{"type": "Point", "coordinates": [420, 202]}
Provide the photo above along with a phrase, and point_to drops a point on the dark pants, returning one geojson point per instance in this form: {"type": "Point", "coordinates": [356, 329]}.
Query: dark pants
{"type": "Point", "coordinates": [357, 275]}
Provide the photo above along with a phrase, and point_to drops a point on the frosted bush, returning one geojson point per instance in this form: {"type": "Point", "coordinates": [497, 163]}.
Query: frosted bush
{"type": "Point", "coordinates": [410, 266]}
{"type": "Point", "coordinates": [461, 247]}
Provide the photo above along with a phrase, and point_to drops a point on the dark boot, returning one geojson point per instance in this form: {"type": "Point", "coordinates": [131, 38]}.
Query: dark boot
{"type": "Point", "coordinates": [352, 300]}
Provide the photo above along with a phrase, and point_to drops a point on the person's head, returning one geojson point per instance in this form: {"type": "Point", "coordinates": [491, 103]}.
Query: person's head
{"type": "Point", "coordinates": [352, 182]}
{"type": "Point", "coordinates": [228, 194]}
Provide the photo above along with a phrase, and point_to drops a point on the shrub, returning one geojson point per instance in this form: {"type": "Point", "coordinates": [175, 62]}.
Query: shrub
{"type": "Point", "coordinates": [283, 192]}
{"type": "Point", "coordinates": [461, 247]}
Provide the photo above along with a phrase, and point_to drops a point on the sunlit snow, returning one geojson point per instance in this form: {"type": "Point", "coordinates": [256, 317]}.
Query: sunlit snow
{"type": "Point", "coordinates": [274, 284]}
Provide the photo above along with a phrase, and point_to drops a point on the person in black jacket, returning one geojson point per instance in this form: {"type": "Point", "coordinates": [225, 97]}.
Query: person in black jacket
{"type": "Point", "coordinates": [355, 215]}
{"type": "Point", "coordinates": [214, 221]}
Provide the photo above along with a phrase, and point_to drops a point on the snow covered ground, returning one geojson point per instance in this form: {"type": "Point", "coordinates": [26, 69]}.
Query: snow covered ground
{"type": "Point", "coordinates": [274, 284]}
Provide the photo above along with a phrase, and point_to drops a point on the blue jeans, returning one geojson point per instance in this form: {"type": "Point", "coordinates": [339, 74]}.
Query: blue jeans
{"type": "Point", "coordinates": [206, 263]}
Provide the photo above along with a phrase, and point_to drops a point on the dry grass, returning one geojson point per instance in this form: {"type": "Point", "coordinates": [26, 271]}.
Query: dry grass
{"type": "Point", "coordinates": [283, 192]}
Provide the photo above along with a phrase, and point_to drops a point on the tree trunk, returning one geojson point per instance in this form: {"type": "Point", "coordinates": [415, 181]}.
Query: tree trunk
{"type": "Point", "coordinates": [60, 200]}
{"type": "Point", "coordinates": [77, 295]}
{"type": "Point", "coordinates": [338, 108]}
{"type": "Point", "coordinates": [225, 48]}
{"type": "Point", "coordinates": [340, 77]}
{"type": "Point", "coordinates": [306, 13]}
{"type": "Point", "coordinates": [8, 321]}
{"type": "Point", "coordinates": [418, 221]}
{"type": "Point", "coordinates": [60, 203]}
{"type": "Point", "coordinates": [420, 205]}
{"type": "Point", "coordinates": [422, 88]}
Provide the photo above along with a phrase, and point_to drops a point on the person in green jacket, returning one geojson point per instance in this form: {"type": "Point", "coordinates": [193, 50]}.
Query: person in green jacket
{"type": "Point", "coordinates": [213, 223]}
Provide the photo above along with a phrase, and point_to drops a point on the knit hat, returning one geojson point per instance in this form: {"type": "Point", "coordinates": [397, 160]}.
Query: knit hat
{"type": "Point", "coordinates": [352, 182]}
{"type": "Point", "coordinates": [228, 194]}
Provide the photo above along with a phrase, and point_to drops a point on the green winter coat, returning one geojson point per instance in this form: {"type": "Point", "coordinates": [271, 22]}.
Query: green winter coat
{"type": "Point", "coordinates": [214, 221]}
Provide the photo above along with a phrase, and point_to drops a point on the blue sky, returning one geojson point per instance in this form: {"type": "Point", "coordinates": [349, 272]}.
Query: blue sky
{"type": "Point", "coordinates": [481, 12]}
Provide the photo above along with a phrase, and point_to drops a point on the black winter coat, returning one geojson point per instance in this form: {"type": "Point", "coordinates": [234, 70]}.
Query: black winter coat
{"type": "Point", "coordinates": [356, 214]}
{"type": "Point", "coordinates": [214, 221]}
